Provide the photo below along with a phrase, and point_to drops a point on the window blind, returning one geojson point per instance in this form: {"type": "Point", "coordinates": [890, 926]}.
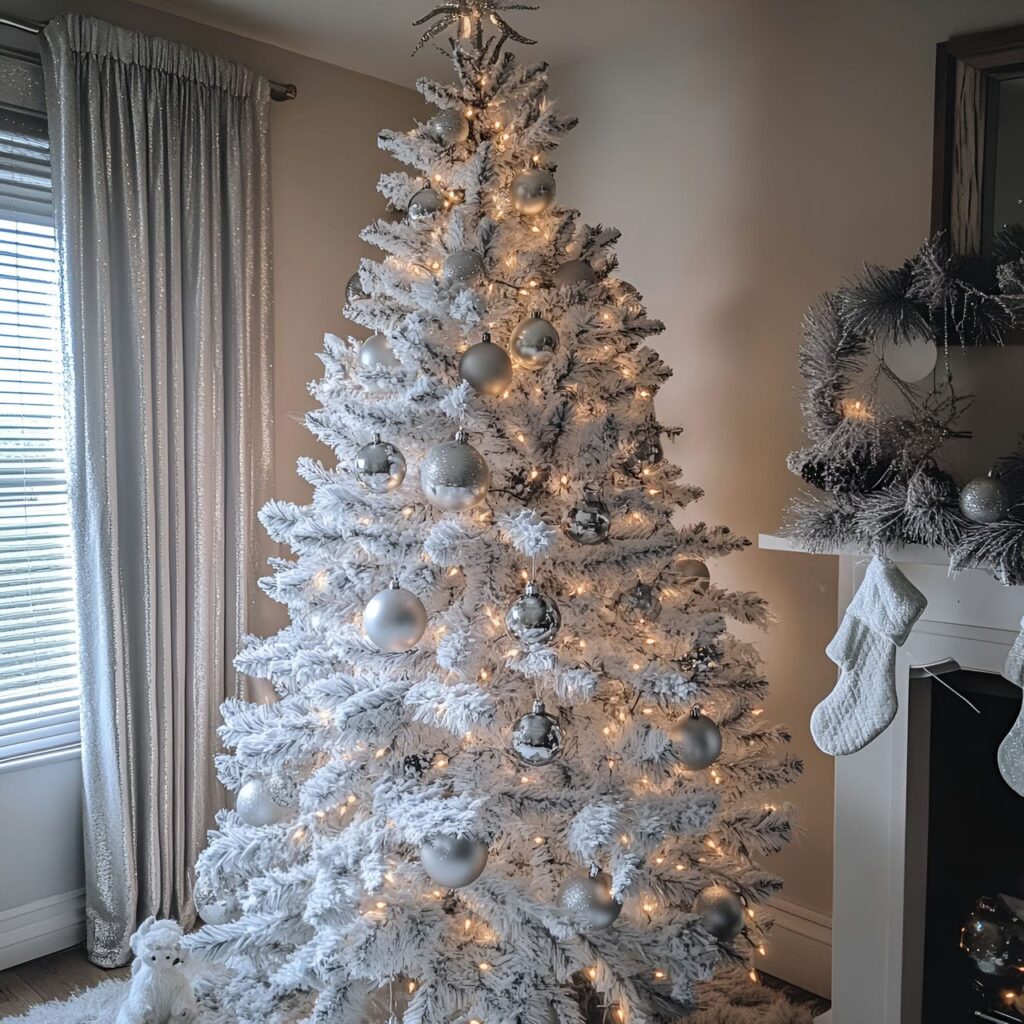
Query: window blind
{"type": "Point", "coordinates": [39, 677]}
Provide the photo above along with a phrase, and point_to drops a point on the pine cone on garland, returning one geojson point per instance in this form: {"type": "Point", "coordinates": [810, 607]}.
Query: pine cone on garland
{"type": "Point", "coordinates": [860, 470]}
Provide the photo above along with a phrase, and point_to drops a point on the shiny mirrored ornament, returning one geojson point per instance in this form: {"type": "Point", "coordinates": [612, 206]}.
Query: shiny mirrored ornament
{"type": "Point", "coordinates": [395, 619]}
{"type": "Point", "coordinates": [449, 127]}
{"type": "Point", "coordinates": [534, 618]}
{"type": "Point", "coordinates": [217, 910]}
{"type": "Point", "coordinates": [694, 575]}
{"type": "Point", "coordinates": [533, 191]}
{"type": "Point", "coordinates": [720, 912]}
{"type": "Point", "coordinates": [462, 267]}
{"type": "Point", "coordinates": [454, 475]}
{"type": "Point", "coordinates": [639, 605]}
{"type": "Point", "coordinates": [534, 342]}
{"type": "Point", "coordinates": [427, 203]}
{"type": "Point", "coordinates": [575, 272]}
{"type": "Point", "coordinates": [379, 466]}
{"type": "Point", "coordinates": [993, 937]}
{"type": "Point", "coordinates": [697, 740]}
{"type": "Point", "coordinates": [985, 499]}
{"type": "Point", "coordinates": [589, 522]}
{"type": "Point", "coordinates": [375, 356]}
{"type": "Point", "coordinates": [257, 806]}
{"type": "Point", "coordinates": [453, 861]}
{"type": "Point", "coordinates": [536, 737]}
{"type": "Point", "coordinates": [588, 897]}
{"type": "Point", "coordinates": [486, 367]}
{"type": "Point", "coordinates": [354, 289]}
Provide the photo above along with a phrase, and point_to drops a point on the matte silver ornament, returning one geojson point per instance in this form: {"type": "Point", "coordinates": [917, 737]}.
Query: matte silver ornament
{"type": "Point", "coordinates": [985, 499]}
{"type": "Point", "coordinates": [454, 861]}
{"type": "Point", "coordinates": [697, 739]}
{"type": "Point", "coordinates": [533, 191]}
{"type": "Point", "coordinates": [449, 127]}
{"type": "Point", "coordinates": [256, 806]}
{"type": "Point", "coordinates": [534, 618]}
{"type": "Point", "coordinates": [462, 267]}
{"type": "Point", "coordinates": [454, 475]}
{"type": "Point", "coordinates": [720, 912]}
{"type": "Point", "coordinates": [395, 619]}
{"type": "Point", "coordinates": [486, 367]}
{"type": "Point", "coordinates": [537, 737]}
{"type": "Point", "coordinates": [695, 575]}
{"type": "Point", "coordinates": [375, 355]}
{"type": "Point", "coordinates": [589, 899]}
{"type": "Point", "coordinates": [575, 272]}
{"type": "Point", "coordinates": [428, 202]}
{"type": "Point", "coordinates": [379, 466]}
{"type": "Point", "coordinates": [354, 289]}
{"type": "Point", "coordinates": [589, 522]}
{"type": "Point", "coordinates": [534, 342]}
{"type": "Point", "coordinates": [639, 605]}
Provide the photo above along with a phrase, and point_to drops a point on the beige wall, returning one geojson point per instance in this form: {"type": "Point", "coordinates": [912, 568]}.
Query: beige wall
{"type": "Point", "coordinates": [754, 153]}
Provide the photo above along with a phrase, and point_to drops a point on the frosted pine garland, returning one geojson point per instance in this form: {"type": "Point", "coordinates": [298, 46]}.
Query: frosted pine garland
{"type": "Point", "coordinates": [378, 752]}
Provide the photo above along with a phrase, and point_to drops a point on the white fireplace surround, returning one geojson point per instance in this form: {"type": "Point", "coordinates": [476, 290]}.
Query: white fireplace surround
{"type": "Point", "coordinates": [881, 803]}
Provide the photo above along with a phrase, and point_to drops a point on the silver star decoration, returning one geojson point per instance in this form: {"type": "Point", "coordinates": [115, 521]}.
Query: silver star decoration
{"type": "Point", "coordinates": [450, 14]}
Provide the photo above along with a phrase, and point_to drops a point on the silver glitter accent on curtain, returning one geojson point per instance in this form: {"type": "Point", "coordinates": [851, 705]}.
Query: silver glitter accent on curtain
{"type": "Point", "coordinates": [162, 198]}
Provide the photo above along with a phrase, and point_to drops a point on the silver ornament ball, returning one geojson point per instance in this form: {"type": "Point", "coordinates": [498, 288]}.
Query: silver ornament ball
{"type": "Point", "coordinates": [453, 861]}
{"type": "Point", "coordinates": [720, 912]}
{"type": "Point", "coordinates": [462, 267]}
{"type": "Point", "coordinates": [697, 739]}
{"type": "Point", "coordinates": [376, 357]}
{"type": "Point", "coordinates": [575, 272]}
{"type": "Point", "coordinates": [395, 619]}
{"type": "Point", "coordinates": [534, 618]}
{"type": "Point", "coordinates": [639, 605]}
{"type": "Point", "coordinates": [589, 899]}
{"type": "Point", "coordinates": [695, 575]}
{"type": "Point", "coordinates": [533, 191]}
{"type": "Point", "coordinates": [589, 522]}
{"type": "Point", "coordinates": [428, 202]}
{"type": "Point", "coordinates": [256, 805]}
{"type": "Point", "coordinates": [534, 342]}
{"type": "Point", "coordinates": [454, 476]}
{"type": "Point", "coordinates": [354, 289]}
{"type": "Point", "coordinates": [486, 367]}
{"type": "Point", "coordinates": [379, 466]}
{"type": "Point", "coordinates": [985, 499]}
{"type": "Point", "coordinates": [216, 911]}
{"type": "Point", "coordinates": [449, 127]}
{"type": "Point", "coordinates": [537, 737]}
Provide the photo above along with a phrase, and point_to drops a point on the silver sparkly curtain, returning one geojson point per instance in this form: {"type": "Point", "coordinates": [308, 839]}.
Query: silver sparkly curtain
{"type": "Point", "coordinates": [161, 185]}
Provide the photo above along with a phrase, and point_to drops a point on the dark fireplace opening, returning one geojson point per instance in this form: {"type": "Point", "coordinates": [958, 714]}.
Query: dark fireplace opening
{"type": "Point", "coordinates": [975, 852]}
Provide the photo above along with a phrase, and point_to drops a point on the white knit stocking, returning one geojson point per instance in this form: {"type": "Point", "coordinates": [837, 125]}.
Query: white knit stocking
{"type": "Point", "coordinates": [1011, 750]}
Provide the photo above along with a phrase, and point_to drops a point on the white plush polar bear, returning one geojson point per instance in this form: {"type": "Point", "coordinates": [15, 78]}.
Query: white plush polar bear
{"type": "Point", "coordinates": [160, 992]}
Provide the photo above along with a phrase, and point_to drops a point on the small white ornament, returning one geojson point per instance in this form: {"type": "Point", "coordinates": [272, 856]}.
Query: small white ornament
{"type": "Point", "coordinates": [454, 475]}
{"type": "Point", "coordinates": [159, 992]}
{"type": "Point", "coordinates": [395, 619]}
{"type": "Point", "coordinates": [375, 355]}
{"type": "Point", "coordinates": [462, 267]}
{"type": "Point", "coordinates": [454, 861]}
{"type": "Point", "coordinates": [911, 360]}
{"type": "Point", "coordinates": [449, 127]}
{"type": "Point", "coordinates": [379, 466]}
{"type": "Point", "coordinates": [533, 191]}
{"type": "Point", "coordinates": [534, 342]}
{"type": "Point", "coordinates": [256, 806]}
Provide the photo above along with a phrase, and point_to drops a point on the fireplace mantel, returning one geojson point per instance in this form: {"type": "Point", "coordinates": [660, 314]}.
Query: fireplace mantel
{"type": "Point", "coordinates": [881, 800]}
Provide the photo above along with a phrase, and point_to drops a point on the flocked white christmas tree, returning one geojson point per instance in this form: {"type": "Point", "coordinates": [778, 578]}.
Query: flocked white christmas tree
{"type": "Point", "coordinates": [517, 771]}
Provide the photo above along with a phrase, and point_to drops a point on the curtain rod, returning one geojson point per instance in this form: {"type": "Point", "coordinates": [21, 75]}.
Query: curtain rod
{"type": "Point", "coordinates": [279, 91]}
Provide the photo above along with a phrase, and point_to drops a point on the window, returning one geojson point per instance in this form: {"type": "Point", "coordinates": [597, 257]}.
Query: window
{"type": "Point", "coordinates": [39, 679]}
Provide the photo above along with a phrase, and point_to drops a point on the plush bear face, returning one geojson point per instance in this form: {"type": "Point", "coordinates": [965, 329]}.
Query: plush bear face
{"type": "Point", "coordinates": [157, 944]}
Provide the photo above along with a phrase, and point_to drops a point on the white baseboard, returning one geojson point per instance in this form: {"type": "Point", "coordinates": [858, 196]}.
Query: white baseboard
{"type": "Point", "coordinates": [42, 927]}
{"type": "Point", "coordinates": [799, 948]}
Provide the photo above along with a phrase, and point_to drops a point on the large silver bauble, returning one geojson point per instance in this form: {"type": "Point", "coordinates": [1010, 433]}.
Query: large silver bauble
{"type": "Point", "coordinates": [462, 267]}
{"type": "Point", "coordinates": [536, 737]}
{"type": "Point", "coordinates": [375, 355]}
{"type": "Point", "coordinates": [533, 191]}
{"type": "Point", "coordinates": [222, 910]}
{"type": "Point", "coordinates": [453, 861]}
{"type": "Point", "coordinates": [534, 342]}
{"type": "Point", "coordinates": [589, 899]}
{"type": "Point", "coordinates": [639, 605]}
{"type": "Point", "coordinates": [354, 289]}
{"type": "Point", "coordinates": [428, 202]}
{"type": "Point", "coordinates": [985, 500]}
{"type": "Point", "coordinates": [534, 618]}
{"type": "Point", "coordinates": [696, 577]}
{"type": "Point", "coordinates": [575, 272]}
{"type": "Point", "coordinates": [589, 522]}
{"type": "Point", "coordinates": [379, 466]}
{"type": "Point", "coordinates": [449, 127]}
{"type": "Point", "coordinates": [256, 806]}
{"type": "Point", "coordinates": [486, 367]}
{"type": "Point", "coordinates": [720, 912]}
{"type": "Point", "coordinates": [454, 475]}
{"type": "Point", "coordinates": [697, 739]}
{"type": "Point", "coordinates": [395, 619]}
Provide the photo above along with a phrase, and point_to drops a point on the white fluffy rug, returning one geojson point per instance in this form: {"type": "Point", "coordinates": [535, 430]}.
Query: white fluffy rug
{"type": "Point", "coordinates": [89, 1007]}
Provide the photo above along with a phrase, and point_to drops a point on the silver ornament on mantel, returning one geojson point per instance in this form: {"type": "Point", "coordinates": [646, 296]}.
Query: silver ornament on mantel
{"type": "Point", "coordinates": [375, 354]}
{"type": "Point", "coordinates": [696, 577]}
{"type": "Point", "coordinates": [533, 618]}
{"type": "Point", "coordinates": [462, 267]}
{"type": "Point", "coordinates": [985, 499]}
{"type": "Point", "coordinates": [574, 272]}
{"type": "Point", "coordinates": [449, 127]}
{"type": "Point", "coordinates": [534, 342]}
{"type": "Point", "coordinates": [639, 605]}
{"type": "Point", "coordinates": [395, 619]}
{"type": "Point", "coordinates": [533, 191]}
{"type": "Point", "coordinates": [537, 737]}
{"type": "Point", "coordinates": [697, 739]}
{"type": "Point", "coordinates": [589, 522]}
{"type": "Point", "coordinates": [428, 202]}
{"type": "Point", "coordinates": [454, 861]}
{"type": "Point", "coordinates": [379, 466]}
{"type": "Point", "coordinates": [486, 367]}
{"type": "Point", "coordinates": [589, 899]}
{"type": "Point", "coordinates": [454, 476]}
{"type": "Point", "coordinates": [354, 289]}
{"type": "Point", "coordinates": [256, 804]}
{"type": "Point", "coordinates": [720, 912]}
